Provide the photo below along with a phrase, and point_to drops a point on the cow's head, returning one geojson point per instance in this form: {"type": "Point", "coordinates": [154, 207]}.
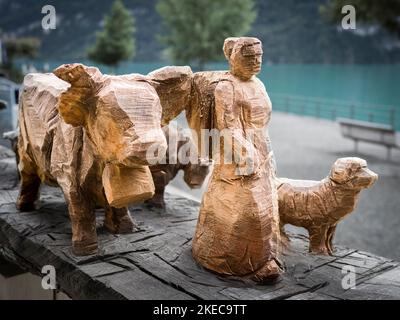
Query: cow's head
{"type": "Point", "coordinates": [196, 173]}
{"type": "Point", "coordinates": [181, 142]}
{"type": "Point", "coordinates": [121, 114]}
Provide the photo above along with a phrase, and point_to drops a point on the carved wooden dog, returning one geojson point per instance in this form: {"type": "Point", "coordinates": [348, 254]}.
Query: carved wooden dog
{"type": "Point", "coordinates": [194, 173]}
{"type": "Point", "coordinates": [89, 133]}
{"type": "Point", "coordinates": [318, 206]}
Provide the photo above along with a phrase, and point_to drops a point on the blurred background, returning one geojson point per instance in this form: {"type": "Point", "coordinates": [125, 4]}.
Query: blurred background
{"type": "Point", "coordinates": [320, 66]}
{"type": "Point", "coordinates": [313, 65]}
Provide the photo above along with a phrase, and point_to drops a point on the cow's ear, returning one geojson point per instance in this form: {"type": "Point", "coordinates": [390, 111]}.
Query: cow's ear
{"type": "Point", "coordinates": [79, 100]}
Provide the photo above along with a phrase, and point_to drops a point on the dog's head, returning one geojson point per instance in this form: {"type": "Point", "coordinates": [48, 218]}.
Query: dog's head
{"type": "Point", "coordinates": [352, 172]}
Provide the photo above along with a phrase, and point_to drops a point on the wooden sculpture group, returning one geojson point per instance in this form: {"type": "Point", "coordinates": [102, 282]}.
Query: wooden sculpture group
{"type": "Point", "coordinates": [98, 137]}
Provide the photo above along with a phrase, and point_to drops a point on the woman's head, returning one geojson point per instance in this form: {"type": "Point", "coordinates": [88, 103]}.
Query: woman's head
{"type": "Point", "coordinates": [244, 55]}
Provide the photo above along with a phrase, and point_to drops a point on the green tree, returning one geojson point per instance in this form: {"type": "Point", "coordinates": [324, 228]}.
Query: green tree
{"type": "Point", "coordinates": [197, 28]}
{"type": "Point", "coordinates": [26, 47]}
{"type": "Point", "coordinates": [116, 42]}
{"type": "Point", "coordinates": [385, 13]}
{"type": "Point", "coordinates": [21, 47]}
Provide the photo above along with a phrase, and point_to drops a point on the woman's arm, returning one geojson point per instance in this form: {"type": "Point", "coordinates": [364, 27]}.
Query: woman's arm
{"type": "Point", "coordinates": [229, 124]}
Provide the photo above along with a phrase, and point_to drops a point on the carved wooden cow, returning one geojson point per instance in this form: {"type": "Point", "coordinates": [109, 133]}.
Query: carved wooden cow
{"type": "Point", "coordinates": [89, 133]}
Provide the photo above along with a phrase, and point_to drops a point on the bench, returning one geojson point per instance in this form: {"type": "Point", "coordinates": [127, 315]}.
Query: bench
{"type": "Point", "coordinates": [357, 130]}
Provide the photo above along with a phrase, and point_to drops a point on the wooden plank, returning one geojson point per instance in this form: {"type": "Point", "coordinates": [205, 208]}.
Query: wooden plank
{"type": "Point", "coordinates": [137, 285]}
{"type": "Point", "coordinates": [311, 296]}
{"type": "Point", "coordinates": [391, 277]}
{"type": "Point", "coordinates": [384, 286]}
{"type": "Point", "coordinates": [101, 269]}
{"type": "Point", "coordinates": [8, 197]}
{"type": "Point", "coordinates": [279, 291]}
{"type": "Point", "coordinates": [177, 277]}
{"type": "Point", "coordinates": [8, 270]}
{"type": "Point", "coordinates": [8, 177]}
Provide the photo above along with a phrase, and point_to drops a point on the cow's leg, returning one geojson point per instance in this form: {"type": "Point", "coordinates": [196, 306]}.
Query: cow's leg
{"type": "Point", "coordinates": [318, 236]}
{"type": "Point", "coordinates": [160, 182]}
{"type": "Point", "coordinates": [118, 220]}
{"type": "Point", "coordinates": [158, 199]}
{"type": "Point", "coordinates": [284, 237]}
{"type": "Point", "coordinates": [83, 221]}
{"type": "Point", "coordinates": [29, 187]}
{"type": "Point", "coordinates": [329, 240]}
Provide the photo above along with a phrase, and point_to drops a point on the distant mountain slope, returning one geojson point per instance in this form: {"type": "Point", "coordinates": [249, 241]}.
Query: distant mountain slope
{"type": "Point", "coordinates": [292, 31]}
{"type": "Point", "coordinates": [77, 23]}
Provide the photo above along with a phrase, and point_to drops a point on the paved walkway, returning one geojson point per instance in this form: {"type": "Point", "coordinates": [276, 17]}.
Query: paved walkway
{"type": "Point", "coordinates": [306, 148]}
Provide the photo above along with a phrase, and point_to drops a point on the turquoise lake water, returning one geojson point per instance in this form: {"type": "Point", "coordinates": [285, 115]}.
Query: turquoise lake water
{"type": "Point", "coordinates": [327, 91]}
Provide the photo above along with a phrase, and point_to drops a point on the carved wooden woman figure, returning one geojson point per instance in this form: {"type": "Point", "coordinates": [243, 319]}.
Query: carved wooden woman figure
{"type": "Point", "coordinates": [238, 228]}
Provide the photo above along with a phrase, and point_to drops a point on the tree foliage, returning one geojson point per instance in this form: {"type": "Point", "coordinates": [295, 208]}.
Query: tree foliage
{"type": "Point", "coordinates": [21, 47]}
{"type": "Point", "coordinates": [385, 13]}
{"type": "Point", "coordinates": [13, 47]}
{"type": "Point", "coordinates": [116, 42]}
{"type": "Point", "coordinates": [197, 28]}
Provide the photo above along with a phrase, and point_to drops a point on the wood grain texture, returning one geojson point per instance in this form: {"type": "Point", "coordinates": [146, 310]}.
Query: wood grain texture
{"type": "Point", "coordinates": [156, 262]}
{"type": "Point", "coordinates": [238, 228]}
{"type": "Point", "coordinates": [89, 134]}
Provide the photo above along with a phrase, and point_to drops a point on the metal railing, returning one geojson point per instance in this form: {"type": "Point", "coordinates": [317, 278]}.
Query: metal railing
{"type": "Point", "coordinates": [332, 109]}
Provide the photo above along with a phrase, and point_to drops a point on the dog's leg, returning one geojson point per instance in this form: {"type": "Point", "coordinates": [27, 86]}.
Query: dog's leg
{"type": "Point", "coordinates": [318, 238]}
{"type": "Point", "coordinates": [284, 237]}
{"type": "Point", "coordinates": [329, 240]}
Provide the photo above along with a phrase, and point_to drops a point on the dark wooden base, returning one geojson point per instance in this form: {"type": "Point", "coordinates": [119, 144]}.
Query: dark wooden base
{"type": "Point", "coordinates": [156, 261]}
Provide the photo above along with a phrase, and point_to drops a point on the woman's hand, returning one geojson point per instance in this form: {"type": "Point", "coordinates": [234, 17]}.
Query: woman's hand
{"type": "Point", "coordinates": [249, 164]}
